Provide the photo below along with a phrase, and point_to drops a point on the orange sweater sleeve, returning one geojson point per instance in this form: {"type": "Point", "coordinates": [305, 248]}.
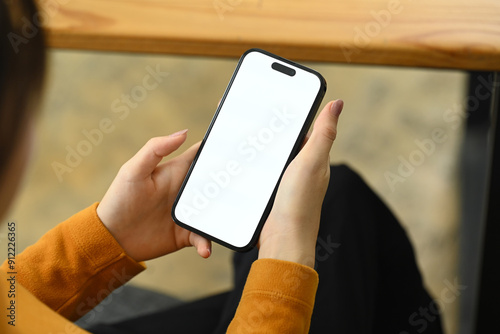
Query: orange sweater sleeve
{"type": "Point", "coordinates": [278, 298]}
{"type": "Point", "coordinates": [75, 265]}
{"type": "Point", "coordinates": [78, 263]}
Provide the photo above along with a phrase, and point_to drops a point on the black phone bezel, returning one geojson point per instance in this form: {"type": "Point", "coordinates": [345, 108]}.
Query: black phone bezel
{"type": "Point", "coordinates": [293, 153]}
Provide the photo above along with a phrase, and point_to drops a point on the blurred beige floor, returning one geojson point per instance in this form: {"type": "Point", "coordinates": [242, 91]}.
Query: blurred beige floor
{"type": "Point", "coordinates": [386, 111]}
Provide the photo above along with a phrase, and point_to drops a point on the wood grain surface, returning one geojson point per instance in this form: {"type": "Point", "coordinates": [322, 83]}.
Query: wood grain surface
{"type": "Point", "coordinates": [421, 33]}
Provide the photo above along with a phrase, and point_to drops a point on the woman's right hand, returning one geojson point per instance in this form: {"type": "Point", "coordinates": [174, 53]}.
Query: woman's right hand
{"type": "Point", "coordinates": [291, 229]}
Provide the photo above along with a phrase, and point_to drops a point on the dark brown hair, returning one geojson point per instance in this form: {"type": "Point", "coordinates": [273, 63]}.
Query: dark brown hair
{"type": "Point", "coordinates": [22, 72]}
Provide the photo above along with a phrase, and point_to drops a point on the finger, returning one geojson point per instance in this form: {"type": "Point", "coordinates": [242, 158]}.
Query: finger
{"type": "Point", "coordinates": [325, 130]}
{"type": "Point", "coordinates": [203, 246]}
{"type": "Point", "coordinates": [189, 154]}
{"type": "Point", "coordinates": [150, 155]}
{"type": "Point", "coordinates": [308, 135]}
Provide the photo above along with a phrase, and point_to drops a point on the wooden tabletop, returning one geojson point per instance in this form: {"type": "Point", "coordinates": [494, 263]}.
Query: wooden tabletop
{"type": "Point", "coordinates": [423, 33]}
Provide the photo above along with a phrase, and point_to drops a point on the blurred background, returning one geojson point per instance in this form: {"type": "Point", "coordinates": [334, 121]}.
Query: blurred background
{"type": "Point", "coordinates": [388, 112]}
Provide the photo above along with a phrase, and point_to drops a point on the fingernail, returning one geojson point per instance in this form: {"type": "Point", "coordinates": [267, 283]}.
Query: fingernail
{"type": "Point", "coordinates": [178, 133]}
{"type": "Point", "coordinates": [336, 107]}
{"type": "Point", "coordinates": [209, 252]}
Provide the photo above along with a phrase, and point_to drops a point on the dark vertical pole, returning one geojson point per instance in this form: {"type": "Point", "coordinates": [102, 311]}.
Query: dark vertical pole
{"type": "Point", "coordinates": [473, 179]}
{"type": "Point", "coordinates": [488, 299]}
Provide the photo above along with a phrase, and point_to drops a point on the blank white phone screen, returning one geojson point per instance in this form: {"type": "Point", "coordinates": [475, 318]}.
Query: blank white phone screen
{"type": "Point", "coordinates": [247, 149]}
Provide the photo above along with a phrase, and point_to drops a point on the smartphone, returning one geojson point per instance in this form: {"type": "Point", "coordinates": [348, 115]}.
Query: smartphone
{"type": "Point", "coordinates": [258, 128]}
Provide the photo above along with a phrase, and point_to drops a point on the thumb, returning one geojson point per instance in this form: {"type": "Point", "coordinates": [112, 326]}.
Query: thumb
{"type": "Point", "coordinates": [324, 131]}
{"type": "Point", "coordinates": [149, 156]}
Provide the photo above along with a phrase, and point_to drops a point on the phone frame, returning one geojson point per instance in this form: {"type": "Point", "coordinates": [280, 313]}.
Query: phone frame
{"type": "Point", "coordinates": [295, 150]}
